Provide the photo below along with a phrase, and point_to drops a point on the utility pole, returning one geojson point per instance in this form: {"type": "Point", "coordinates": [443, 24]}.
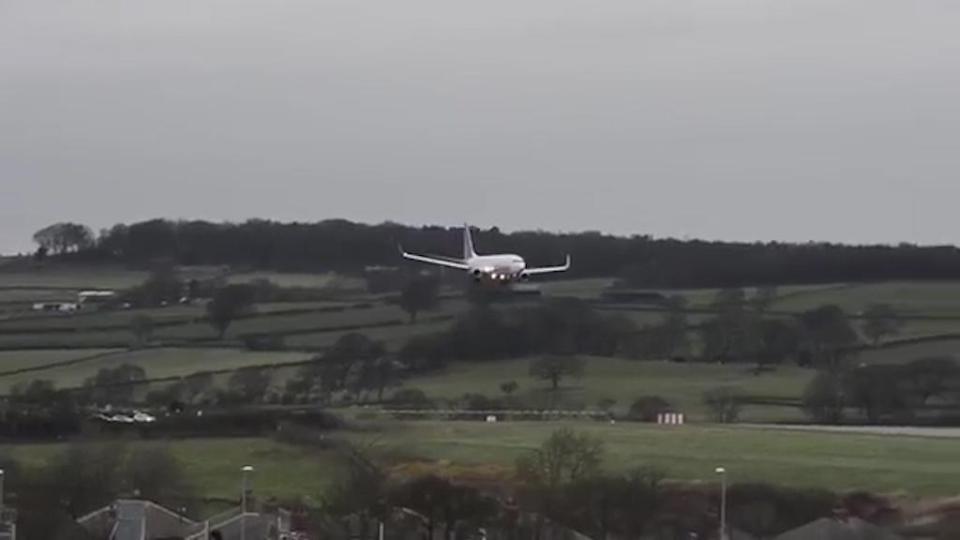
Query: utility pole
{"type": "Point", "coordinates": [723, 502]}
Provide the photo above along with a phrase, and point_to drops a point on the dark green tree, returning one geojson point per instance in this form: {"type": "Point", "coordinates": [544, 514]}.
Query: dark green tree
{"type": "Point", "coordinates": [509, 387]}
{"type": "Point", "coordinates": [933, 376]}
{"type": "Point", "coordinates": [880, 321]}
{"type": "Point", "coordinates": [61, 238]}
{"type": "Point", "coordinates": [227, 304]}
{"type": "Point", "coordinates": [114, 385]}
{"type": "Point", "coordinates": [646, 408]}
{"type": "Point", "coordinates": [141, 326]}
{"type": "Point", "coordinates": [249, 385]}
{"type": "Point", "coordinates": [824, 399]}
{"type": "Point", "coordinates": [828, 335]}
{"type": "Point", "coordinates": [419, 294]}
{"type": "Point", "coordinates": [360, 494]}
{"type": "Point", "coordinates": [163, 285]}
{"type": "Point", "coordinates": [763, 298]}
{"type": "Point", "coordinates": [880, 391]}
{"type": "Point", "coordinates": [779, 340]}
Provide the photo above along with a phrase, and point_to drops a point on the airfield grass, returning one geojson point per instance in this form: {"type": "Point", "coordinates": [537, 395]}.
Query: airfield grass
{"type": "Point", "coordinates": [911, 465]}
{"type": "Point", "coordinates": [681, 384]}
{"type": "Point", "coordinates": [842, 462]}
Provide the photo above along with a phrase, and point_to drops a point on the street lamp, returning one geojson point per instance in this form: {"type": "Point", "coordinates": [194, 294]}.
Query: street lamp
{"type": "Point", "coordinates": [723, 502]}
{"type": "Point", "coordinates": [247, 469]}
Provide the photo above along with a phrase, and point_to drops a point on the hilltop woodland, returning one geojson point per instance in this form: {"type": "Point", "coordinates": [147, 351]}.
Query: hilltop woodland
{"type": "Point", "coordinates": [639, 261]}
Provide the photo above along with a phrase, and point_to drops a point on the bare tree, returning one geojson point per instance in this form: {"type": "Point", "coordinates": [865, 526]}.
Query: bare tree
{"type": "Point", "coordinates": [566, 456]}
{"type": "Point", "coordinates": [555, 368]}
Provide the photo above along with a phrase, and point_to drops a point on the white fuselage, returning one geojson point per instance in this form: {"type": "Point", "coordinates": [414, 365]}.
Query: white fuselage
{"type": "Point", "coordinates": [497, 267]}
{"type": "Point", "coordinates": [502, 268]}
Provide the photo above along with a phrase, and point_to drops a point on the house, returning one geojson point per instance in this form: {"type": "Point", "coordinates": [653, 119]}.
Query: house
{"type": "Point", "coordinates": [135, 519]}
{"type": "Point", "coordinates": [839, 529]}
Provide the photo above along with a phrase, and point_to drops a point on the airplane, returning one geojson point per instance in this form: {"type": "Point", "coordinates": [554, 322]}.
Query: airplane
{"type": "Point", "coordinates": [500, 268]}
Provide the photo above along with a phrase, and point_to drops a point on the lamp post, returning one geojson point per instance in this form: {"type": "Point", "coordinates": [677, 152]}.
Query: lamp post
{"type": "Point", "coordinates": [247, 469]}
{"type": "Point", "coordinates": [723, 502]}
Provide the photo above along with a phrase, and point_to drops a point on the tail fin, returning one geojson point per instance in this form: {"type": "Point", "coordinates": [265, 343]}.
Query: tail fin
{"type": "Point", "coordinates": [468, 251]}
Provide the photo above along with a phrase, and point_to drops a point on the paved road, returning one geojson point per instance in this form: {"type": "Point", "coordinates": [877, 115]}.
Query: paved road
{"type": "Point", "coordinates": [906, 431]}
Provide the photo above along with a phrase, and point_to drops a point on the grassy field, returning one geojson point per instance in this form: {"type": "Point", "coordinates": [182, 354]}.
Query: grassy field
{"type": "Point", "coordinates": [624, 381]}
{"type": "Point", "coordinates": [835, 461]}
{"type": "Point", "coordinates": [909, 298]}
{"type": "Point", "coordinates": [393, 337]}
{"type": "Point", "coordinates": [72, 277]}
{"type": "Point", "coordinates": [326, 280]}
{"type": "Point", "coordinates": [283, 471]}
{"type": "Point", "coordinates": [902, 465]}
{"type": "Point", "coordinates": [13, 360]}
{"type": "Point", "coordinates": [910, 352]}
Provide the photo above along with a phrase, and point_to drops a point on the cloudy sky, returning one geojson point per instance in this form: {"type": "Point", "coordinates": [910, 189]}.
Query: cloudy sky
{"type": "Point", "coordinates": [732, 119]}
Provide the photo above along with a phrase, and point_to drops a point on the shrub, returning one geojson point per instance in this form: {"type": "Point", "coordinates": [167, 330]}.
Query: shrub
{"type": "Point", "coordinates": [646, 408]}
{"type": "Point", "coordinates": [264, 342]}
{"type": "Point", "coordinates": [724, 404]}
{"type": "Point", "coordinates": [411, 398]}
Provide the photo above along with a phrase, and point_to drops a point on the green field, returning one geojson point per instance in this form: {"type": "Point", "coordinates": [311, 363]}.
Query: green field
{"type": "Point", "coordinates": [14, 360]}
{"type": "Point", "coordinates": [213, 465]}
{"type": "Point", "coordinates": [914, 351]}
{"type": "Point", "coordinates": [158, 363]}
{"type": "Point", "coordinates": [327, 280]}
{"type": "Point", "coordinates": [909, 298]}
{"type": "Point", "coordinates": [842, 462]}
{"type": "Point", "coordinates": [919, 466]}
{"type": "Point", "coordinates": [624, 381]}
{"type": "Point", "coordinates": [71, 277]}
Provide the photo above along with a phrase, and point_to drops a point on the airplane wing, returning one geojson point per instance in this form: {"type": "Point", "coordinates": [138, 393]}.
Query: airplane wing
{"type": "Point", "coordinates": [439, 261]}
{"type": "Point", "coordinates": [548, 269]}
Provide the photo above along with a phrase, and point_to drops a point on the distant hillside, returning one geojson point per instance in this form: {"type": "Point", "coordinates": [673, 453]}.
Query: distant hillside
{"type": "Point", "coordinates": [641, 261]}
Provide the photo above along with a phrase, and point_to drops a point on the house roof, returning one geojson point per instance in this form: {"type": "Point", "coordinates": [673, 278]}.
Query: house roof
{"type": "Point", "coordinates": [836, 529]}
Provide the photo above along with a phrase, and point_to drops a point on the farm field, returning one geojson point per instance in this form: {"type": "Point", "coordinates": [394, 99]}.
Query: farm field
{"type": "Point", "coordinates": [393, 337]}
{"type": "Point", "coordinates": [14, 360]}
{"type": "Point", "coordinates": [908, 298]}
{"type": "Point", "coordinates": [158, 363]}
{"type": "Point", "coordinates": [327, 280]}
{"type": "Point", "coordinates": [909, 352]}
{"type": "Point", "coordinates": [121, 318]}
{"type": "Point", "coordinates": [71, 277]}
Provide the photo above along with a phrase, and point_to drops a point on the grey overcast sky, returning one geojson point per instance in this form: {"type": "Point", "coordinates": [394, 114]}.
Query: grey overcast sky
{"type": "Point", "coordinates": [723, 119]}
